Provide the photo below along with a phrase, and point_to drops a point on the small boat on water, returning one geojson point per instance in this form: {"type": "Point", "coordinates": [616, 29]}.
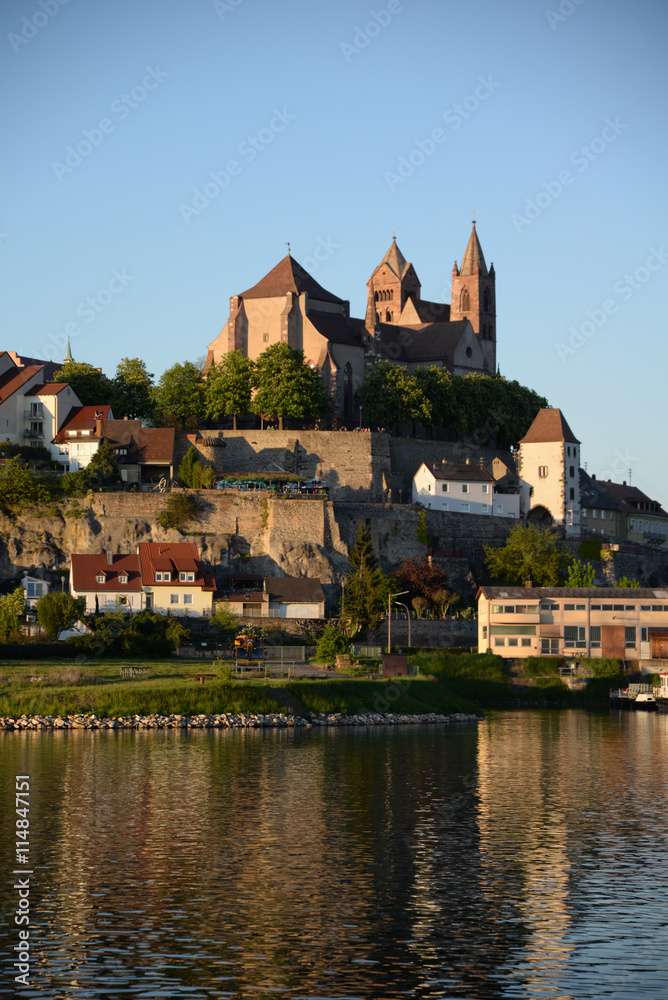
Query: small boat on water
{"type": "Point", "coordinates": [661, 694]}
{"type": "Point", "coordinates": [637, 698]}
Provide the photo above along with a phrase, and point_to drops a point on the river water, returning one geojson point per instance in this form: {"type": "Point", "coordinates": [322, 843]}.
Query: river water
{"type": "Point", "coordinates": [520, 857]}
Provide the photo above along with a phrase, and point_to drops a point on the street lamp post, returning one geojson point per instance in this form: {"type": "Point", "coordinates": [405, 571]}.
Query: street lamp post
{"type": "Point", "coordinates": [408, 616]}
{"type": "Point", "coordinates": [389, 617]}
{"type": "Point", "coordinates": [360, 427]}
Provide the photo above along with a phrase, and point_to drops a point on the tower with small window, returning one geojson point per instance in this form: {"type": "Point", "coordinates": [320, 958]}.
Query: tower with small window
{"type": "Point", "coordinates": [474, 297]}
{"type": "Point", "coordinates": [549, 461]}
{"type": "Point", "coordinates": [390, 286]}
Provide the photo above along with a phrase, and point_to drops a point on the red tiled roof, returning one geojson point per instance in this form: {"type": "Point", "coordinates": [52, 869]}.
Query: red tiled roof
{"type": "Point", "coordinates": [549, 425]}
{"type": "Point", "coordinates": [174, 558]}
{"type": "Point", "coordinates": [630, 498]}
{"type": "Point", "coordinates": [85, 569]}
{"type": "Point", "coordinates": [12, 380]}
{"type": "Point", "coordinates": [145, 444]}
{"type": "Point", "coordinates": [51, 389]}
{"type": "Point", "coordinates": [289, 276]}
{"type": "Point", "coordinates": [82, 418]}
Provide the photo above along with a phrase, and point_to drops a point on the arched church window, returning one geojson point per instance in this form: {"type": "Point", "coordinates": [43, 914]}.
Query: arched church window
{"type": "Point", "coordinates": [465, 300]}
{"type": "Point", "coordinates": [388, 316]}
{"type": "Point", "coordinates": [391, 294]}
{"type": "Point", "coordinates": [487, 301]}
{"type": "Point", "coordinates": [375, 296]}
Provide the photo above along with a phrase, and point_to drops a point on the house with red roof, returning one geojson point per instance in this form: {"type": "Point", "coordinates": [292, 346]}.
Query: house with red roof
{"type": "Point", "coordinates": [80, 435]}
{"type": "Point", "coordinates": [31, 410]}
{"type": "Point", "coordinates": [160, 576]}
{"type": "Point", "coordinates": [143, 454]}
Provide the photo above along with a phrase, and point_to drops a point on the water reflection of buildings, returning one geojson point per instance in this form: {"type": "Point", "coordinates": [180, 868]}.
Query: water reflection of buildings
{"type": "Point", "coordinates": [526, 774]}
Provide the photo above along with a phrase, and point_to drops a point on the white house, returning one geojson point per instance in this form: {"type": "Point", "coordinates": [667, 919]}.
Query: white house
{"type": "Point", "coordinates": [162, 577]}
{"type": "Point", "coordinates": [465, 488]}
{"type": "Point", "coordinates": [79, 437]}
{"type": "Point", "coordinates": [33, 589]}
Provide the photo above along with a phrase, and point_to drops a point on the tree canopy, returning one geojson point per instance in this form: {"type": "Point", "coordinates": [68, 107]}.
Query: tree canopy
{"type": "Point", "coordinates": [488, 407]}
{"type": "Point", "coordinates": [131, 388]}
{"type": "Point", "coordinates": [229, 387]}
{"type": "Point", "coordinates": [195, 473]}
{"type": "Point", "coordinates": [390, 394]}
{"type": "Point", "coordinates": [530, 553]}
{"type": "Point", "coordinates": [288, 387]}
{"type": "Point", "coordinates": [179, 396]}
{"type": "Point", "coordinates": [57, 612]}
{"type": "Point", "coordinates": [88, 382]}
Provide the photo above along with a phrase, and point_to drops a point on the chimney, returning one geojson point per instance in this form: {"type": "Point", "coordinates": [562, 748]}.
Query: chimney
{"type": "Point", "coordinates": [528, 584]}
{"type": "Point", "coordinates": [98, 425]}
{"type": "Point", "coordinates": [110, 557]}
{"type": "Point", "coordinates": [624, 483]}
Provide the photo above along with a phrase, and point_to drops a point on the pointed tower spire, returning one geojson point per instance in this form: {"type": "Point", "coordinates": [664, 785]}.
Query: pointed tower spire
{"type": "Point", "coordinates": [474, 297]}
{"type": "Point", "coordinates": [473, 259]}
{"type": "Point", "coordinates": [68, 355]}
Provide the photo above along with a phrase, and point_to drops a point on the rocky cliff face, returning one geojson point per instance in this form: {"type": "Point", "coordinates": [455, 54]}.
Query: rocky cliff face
{"type": "Point", "coordinates": [238, 532]}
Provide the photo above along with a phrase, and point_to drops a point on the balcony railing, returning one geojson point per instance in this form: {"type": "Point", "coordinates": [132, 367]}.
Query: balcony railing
{"type": "Point", "coordinates": [36, 414]}
{"type": "Point", "coordinates": [33, 434]}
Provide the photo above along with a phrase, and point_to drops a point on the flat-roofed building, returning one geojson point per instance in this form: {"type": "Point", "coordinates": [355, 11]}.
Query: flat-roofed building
{"type": "Point", "coordinates": [572, 621]}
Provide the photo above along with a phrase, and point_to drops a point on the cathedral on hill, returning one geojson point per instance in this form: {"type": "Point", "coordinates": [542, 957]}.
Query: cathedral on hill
{"type": "Point", "coordinates": [289, 306]}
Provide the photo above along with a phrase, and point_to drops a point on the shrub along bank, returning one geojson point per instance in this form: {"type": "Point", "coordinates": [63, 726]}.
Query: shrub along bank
{"type": "Point", "coordinates": [486, 679]}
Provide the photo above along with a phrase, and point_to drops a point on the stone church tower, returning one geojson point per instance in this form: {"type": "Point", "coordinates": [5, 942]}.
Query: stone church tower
{"type": "Point", "coordinates": [474, 297]}
{"type": "Point", "coordinates": [390, 286]}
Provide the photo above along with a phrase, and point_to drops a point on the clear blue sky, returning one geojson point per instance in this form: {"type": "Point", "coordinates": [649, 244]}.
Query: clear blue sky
{"type": "Point", "coordinates": [316, 104]}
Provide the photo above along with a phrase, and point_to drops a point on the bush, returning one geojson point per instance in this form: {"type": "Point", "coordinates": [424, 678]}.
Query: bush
{"type": "Point", "coordinates": [543, 666]}
{"type": "Point", "coordinates": [331, 644]}
{"type": "Point", "coordinates": [589, 549]}
{"type": "Point", "coordinates": [179, 510]}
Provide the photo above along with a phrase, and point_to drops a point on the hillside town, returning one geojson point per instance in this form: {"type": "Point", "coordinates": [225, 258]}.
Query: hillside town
{"type": "Point", "coordinates": [301, 429]}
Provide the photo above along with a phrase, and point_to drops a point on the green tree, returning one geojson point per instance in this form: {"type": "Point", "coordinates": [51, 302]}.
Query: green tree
{"type": "Point", "coordinates": [103, 466]}
{"type": "Point", "coordinates": [628, 583]}
{"type": "Point", "coordinates": [390, 394]}
{"type": "Point", "coordinates": [88, 382]}
{"type": "Point", "coordinates": [132, 390]}
{"type": "Point", "coordinates": [224, 621]}
{"type": "Point", "coordinates": [331, 643]}
{"type": "Point", "coordinates": [18, 488]}
{"type": "Point", "coordinates": [179, 396]}
{"type": "Point", "coordinates": [287, 386]}
{"type": "Point", "coordinates": [229, 387]}
{"type": "Point", "coordinates": [11, 606]}
{"type": "Point", "coordinates": [580, 574]}
{"type": "Point", "coordinates": [530, 553]}
{"type": "Point", "coordinates": [177, 633]}
{"type": "Point", "coordinates": [366, 589]}
{"type": "Point", "coordinates": [57, 612]}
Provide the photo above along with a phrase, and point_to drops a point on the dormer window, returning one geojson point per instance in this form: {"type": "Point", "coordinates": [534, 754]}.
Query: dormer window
{"type": "Point", "coordinates": [123, 578]}
{"type": "Point", "coordinates": [101, 578]}
{"type": "Point", "coordinates": [185, 577]}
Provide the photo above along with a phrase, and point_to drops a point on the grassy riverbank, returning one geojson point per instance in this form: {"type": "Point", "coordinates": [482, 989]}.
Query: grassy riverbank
{"type": "Point", "coordinates": [490, 680]}
{"type": "Point", "coordinates": [45, 689]}
{"type": "Point", "coordinates": [449, 683]}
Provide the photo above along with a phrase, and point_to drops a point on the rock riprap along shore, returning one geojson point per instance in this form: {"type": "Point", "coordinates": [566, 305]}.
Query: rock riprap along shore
{"type": "Point", "coordinates": [226, 721]}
